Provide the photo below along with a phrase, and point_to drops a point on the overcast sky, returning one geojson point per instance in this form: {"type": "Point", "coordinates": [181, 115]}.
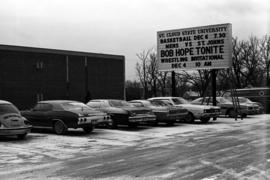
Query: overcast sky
{"type": "Point", "coordinates": [123, 27]}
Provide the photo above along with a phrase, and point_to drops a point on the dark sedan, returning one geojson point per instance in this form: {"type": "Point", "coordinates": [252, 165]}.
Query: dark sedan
{"type": "Point", "coordinates": [164, 112]}
{"type": "Point", "coordinates": [63, 114]}
{"type": "Point", "coordinates": [122, 112]}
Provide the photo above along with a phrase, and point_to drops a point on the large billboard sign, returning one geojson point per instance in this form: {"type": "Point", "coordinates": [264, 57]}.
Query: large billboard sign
{"type": "Point", "coordinates": [205, 47]}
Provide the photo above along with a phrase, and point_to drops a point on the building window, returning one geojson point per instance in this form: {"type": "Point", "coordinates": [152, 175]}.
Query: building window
{"type": "Point", "coordinates": [39, 96]}
{"type": "Point", "coordinates": [39, 65]}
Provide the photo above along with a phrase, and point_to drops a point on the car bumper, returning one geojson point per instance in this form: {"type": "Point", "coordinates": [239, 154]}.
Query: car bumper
{"type": "Point", "coordinates": [210, 115]}
{"type": "Point", "coordinates": [143, 118]}
{"type": "Point", "coordinates": [171, 117]}
{"type": "Point", "coordinates": [92, 120]}
{"type": "Point", "coordinates": [103, 121]}
{"type": "Point", "coordinates": [15, 131]}
{"type": "Point", "coordinates": [249, 112]}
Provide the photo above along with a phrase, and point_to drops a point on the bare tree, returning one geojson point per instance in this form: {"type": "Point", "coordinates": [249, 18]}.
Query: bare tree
{"type": "Point", "coordinates": [152, 70]}
{"type": "Point", "coordinates": [162, 82]}
{"type": "Point", "coordinates": [141, 70]}
{"type": "Point", "coordinates": [199, 79]}
{"type": "Point", "coordinates": [252, 70]}
{"type": "Point", "coordinates": [265, 53]}
{"type": "Point", "coordinates": [237, 63]}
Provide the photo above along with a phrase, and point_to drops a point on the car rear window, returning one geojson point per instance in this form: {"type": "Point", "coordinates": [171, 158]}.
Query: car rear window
{"type": "Point", "coordinates": [119, 103]}
{"type": "Point", "coordinates": [179, 101]}
{"type": "Point", "coordinates": [8, 108]}
{"type": "Point", "coordinates": [75, 105]}
{"type": "Point", "coordinates": [160, 103]}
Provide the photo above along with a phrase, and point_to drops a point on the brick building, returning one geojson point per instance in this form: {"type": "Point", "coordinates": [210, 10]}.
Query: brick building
{"type": "Point", "coordinates": [28, 75]}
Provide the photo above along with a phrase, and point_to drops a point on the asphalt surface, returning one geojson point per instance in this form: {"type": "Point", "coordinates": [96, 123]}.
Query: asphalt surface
{"type": "Point", "coordinates": [223, 149]}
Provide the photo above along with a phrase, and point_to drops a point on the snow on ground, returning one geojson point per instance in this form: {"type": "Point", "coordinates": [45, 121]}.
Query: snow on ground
{"type": "Point", "coordinates": [42, 148]}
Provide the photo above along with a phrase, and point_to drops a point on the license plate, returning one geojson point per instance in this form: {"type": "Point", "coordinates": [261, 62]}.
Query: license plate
{"type": "Point", "coordinates": [15, 123]}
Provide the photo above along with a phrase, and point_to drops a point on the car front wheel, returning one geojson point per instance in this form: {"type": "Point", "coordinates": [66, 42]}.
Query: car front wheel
{"type": "Point", "coordinates": [88, 129]}
{"type": "Point", "coordinates": [232, 113]}
{"type": "Point", "coordinates": [205, 119]}
{"type": "Point", "coordinates": [59, 127]}
{"type": "Point", "coordinates": [189, 118]}
{"type": "Point", "coordinates": [21, 136]}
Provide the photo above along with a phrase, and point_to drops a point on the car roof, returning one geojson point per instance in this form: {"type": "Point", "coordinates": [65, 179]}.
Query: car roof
{"type": "Point", "coordinates": [139, 100]}
{"type": "Point", "coordinates": [167, 97]}
{"type": "Point", "coordinates": [57, 101]}
{"type": "Point", "coordinates": [4, 102]}
{"type": "Point", "coordinates": [106, 100]}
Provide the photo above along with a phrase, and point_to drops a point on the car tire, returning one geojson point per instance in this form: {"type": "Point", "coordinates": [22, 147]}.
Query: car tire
{"type": "Point", "coordinates": [231, 113]}
{"type": "Point", "coordinates": [114, 124]}
{"type": "Point", "coordinates": [88, 129]}
{"type": "Point", "coordinates": [170, 123]}
{"type": "Point", "coordinates": [21, 136]}
{"type": "Point", "coordinates": [205, 119]}
{"type": "Point", "coordinates": [59, 127]}
{"type": "Point", "coordinates": [244, 115]}
{"type": "Point", "coordinates": [132, 125]}
{"type": "Point", "coordinates": [155, 123]}
{"type": "Point", "coordinates": [189, 118]}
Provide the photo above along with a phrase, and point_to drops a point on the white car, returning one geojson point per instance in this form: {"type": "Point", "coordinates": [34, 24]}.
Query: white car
{"type": "Point", "coordinates": [12, 123]}
{"type": "Point", "coordinates": [202, 112]}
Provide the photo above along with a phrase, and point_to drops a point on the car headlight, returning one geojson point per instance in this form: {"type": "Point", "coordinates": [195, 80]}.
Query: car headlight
{"type": "Point", "coordinates": [250, 108]}
{"type": "Point", "coordinates": [131, 113]}
{"type": "Point", "coordinates": [163, 111]}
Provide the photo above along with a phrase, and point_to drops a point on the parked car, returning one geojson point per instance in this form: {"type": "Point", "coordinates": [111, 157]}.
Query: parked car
{"type": "Point", "coordinates": [255, 94]}
{"type": "Point", "coordinates": [163, 111]}
{"type": "Point", "coordinates": [63, 114]}
{"type": "Point", "coordinates": [122, 112]}
{"type": "Point", "coordinates": [227, 107]}
{"type": "Point", "coordinates": [258, 107]}
{"type": "Point", "coordinates": [12, 122]}
{"type": "Point", "coordinates": [202, 112]}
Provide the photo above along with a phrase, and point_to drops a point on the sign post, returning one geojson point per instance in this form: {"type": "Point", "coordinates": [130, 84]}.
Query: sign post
{"type": "Point", "coordinates": [204, 47]}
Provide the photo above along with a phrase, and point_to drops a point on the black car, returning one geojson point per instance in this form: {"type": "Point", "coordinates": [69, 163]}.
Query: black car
{"type": "Point", "coordinates": [63, 114]}
{"type": "Point", "coordinates": [164, 112]}
{"type": "Point", "coordinates": [123, 112]}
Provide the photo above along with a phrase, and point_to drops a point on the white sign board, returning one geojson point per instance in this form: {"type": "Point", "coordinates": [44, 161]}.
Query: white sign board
{"type": "Point", "coordinates": [205, 47]}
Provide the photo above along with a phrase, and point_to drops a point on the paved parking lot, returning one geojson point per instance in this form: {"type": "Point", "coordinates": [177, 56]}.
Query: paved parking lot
{"type": "Point", "coordinates": [224, 149]}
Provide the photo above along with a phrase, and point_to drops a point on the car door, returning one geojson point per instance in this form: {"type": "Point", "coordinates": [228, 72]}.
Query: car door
{"type": "Point", "coordinates": [40, 115]}
{"type": "Point", "coordinates": [104, 107]}
{"type": "Point", "coordinates": [94, 105]}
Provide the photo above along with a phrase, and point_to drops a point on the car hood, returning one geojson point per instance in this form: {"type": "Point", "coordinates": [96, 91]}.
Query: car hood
{"type": "Point", "coordinates": [195, 106]}
{"type": "Point", "coordinates": [137, 110]}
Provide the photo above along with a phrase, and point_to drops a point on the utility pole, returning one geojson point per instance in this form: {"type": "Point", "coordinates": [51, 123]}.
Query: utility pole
{"type": "Point", "coordinates": [214, 84]}
{"type": "Point", "coordinates": [173, 84]}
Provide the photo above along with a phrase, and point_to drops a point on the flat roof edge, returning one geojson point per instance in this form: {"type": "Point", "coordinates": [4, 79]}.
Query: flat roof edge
{"type": "Point", "coordinates": [58, 51]}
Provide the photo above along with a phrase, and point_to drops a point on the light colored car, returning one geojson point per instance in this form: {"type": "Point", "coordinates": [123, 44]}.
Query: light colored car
{"type": "Point", "coordinates": [164, 112]}
{"type": "Point", "coordinates": [202, 112]}
{"type": "Point", "coordinates": [11, 121]}
{"type": "Point", "coordinates": [122, 112]}
{"type": "Point", "coordinates": [258, 107]}
{"type": "Point", "coordinates": [227, 107]}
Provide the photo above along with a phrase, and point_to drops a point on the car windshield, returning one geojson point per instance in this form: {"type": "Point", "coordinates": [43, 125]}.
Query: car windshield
{"type": "Point", "coordinates": [75, 105]}
{"type": "Point", "coordinates": [147, 103]}
{"type": "Point", "coordinates": [119, 103]}
{"type": "Point", "coordinates": [161, 103]}
{"type": "Point", "coordinates": [180, 101]}
{"type": "Point", "coordinates": [244, 100]}
{"type": "Point", "coordinates": [223, 100]}
{"type": "Point", "coordinates": [8, 108]}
